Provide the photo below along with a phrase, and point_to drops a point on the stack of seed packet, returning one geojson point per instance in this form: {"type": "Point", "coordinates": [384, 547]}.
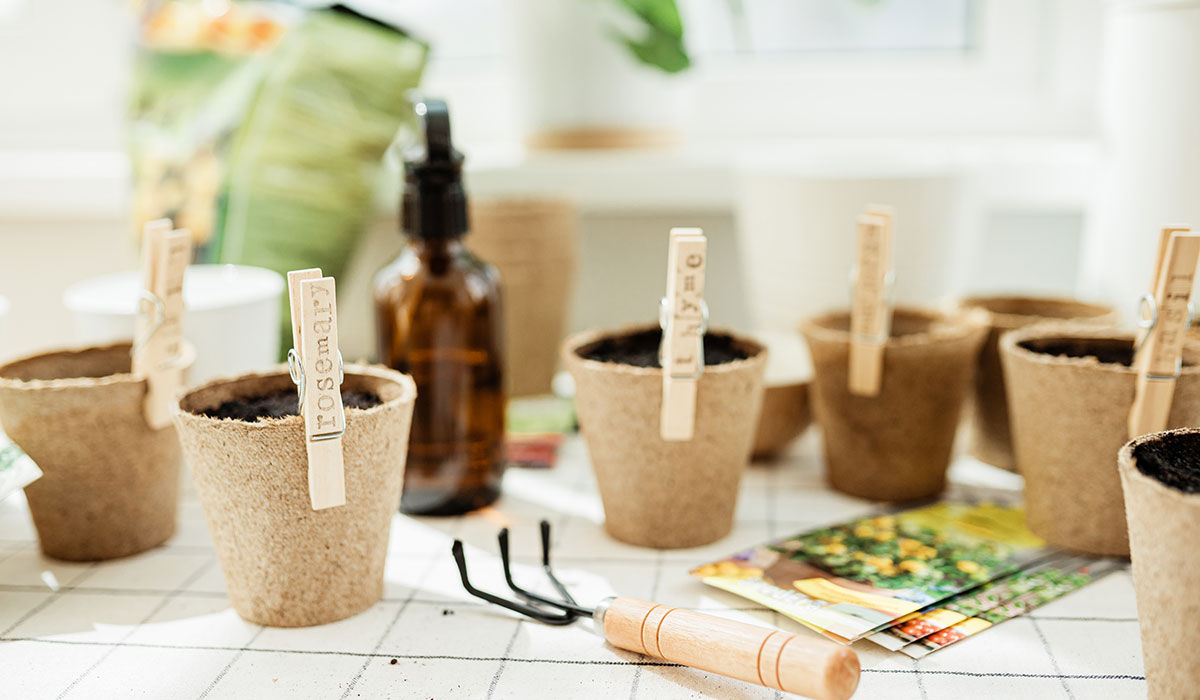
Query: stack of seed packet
{"type": "Point", "coordinates": [912, 581]}
{"type": "Point", "coordinates": [535, 429]}
{"type": "Point", "coordinates": [17, 470]}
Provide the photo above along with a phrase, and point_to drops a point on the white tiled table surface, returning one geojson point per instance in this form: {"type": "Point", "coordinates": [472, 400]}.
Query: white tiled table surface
{"type": "Point", "coordinates": [159, 625]}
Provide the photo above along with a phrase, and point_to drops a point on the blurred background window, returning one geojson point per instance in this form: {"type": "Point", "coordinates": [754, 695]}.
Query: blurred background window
{"type": "Point", "coordinates": [999, 95]}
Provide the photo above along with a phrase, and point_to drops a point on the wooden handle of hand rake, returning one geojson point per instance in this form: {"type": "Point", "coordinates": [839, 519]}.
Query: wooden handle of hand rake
{"type": "Point", "coordinates": [813, 667]}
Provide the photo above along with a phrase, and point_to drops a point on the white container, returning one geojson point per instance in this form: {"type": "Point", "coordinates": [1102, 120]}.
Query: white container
{"type": "Point", "coordinates": [232, 315]}
{"type": "Point", "coordinates": [796, 235]}
{"type": "Point", "coordinates": [1150, 112]}
{"type": "Point", "coordinates": [579, 86]}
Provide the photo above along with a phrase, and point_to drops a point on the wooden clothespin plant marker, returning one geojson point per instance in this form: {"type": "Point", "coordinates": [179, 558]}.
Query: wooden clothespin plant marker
{"type": "Point", "coordinates": [1147, 302]}
{"type": "Point", "coordinates": [159, 349]}
{"type": "Point", "coordinates": [316, 366]}
{"type": "Point", "coordinates": [683, 316]}
{"type": "Point", "coordinates": [870, 313]}
{"type": "Point", "coordinates": [1159, 357]}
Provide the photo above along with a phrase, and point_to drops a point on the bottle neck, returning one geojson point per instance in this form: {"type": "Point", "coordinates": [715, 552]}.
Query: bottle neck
{"type": "Point", "coordinates": [436, 247]}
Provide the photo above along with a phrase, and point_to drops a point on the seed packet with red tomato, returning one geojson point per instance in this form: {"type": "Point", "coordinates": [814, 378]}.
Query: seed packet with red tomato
{"type": "Point", "coordinates": [1060, 584]}
{"type": "Point", "coordinates": [922, 624]}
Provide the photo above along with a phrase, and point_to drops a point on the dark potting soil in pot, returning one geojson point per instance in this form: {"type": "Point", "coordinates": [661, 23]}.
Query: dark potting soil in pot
{"type": "Point", "coordinates": [280, 405]}
{"type": "Point", "coordinates": [640, 349]}
{"type": "Point", "coordinates": [1107, 350]}
{"type": "Point", "coordinates": [1173, 460]}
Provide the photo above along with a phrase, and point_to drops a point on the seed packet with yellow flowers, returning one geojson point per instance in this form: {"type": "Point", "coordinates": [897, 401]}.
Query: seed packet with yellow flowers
{"type": "Point", "coordinates": [1058, 582]}
{"type": "Point", "coordinates": [854, 578]}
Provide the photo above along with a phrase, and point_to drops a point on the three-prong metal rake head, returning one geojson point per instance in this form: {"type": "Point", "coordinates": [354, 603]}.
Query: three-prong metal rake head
{"type": "Point", "coordinates": [567, 609]}
{"type": "Point", "coordinates": [776, 659]}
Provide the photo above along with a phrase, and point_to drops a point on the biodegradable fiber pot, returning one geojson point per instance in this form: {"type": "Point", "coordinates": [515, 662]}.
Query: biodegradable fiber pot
{"type": "Point", "coordinates": [286, 565]}
{"type": "Point", "coordinates": [1070, 390]}
{"type": "Point", "coordinates": [1161, 477]}
{"type": "Point", "coordinates": [895, 446]}
{"type": "Point", "coordinates": [784, 416]}
{"type": "Point", "coordinates": [532, 242]}
{"type": "Point", "coordinates": [111, 482]}
{"type": "Point", "coordinates": [785, 413]}
{"type": "Point", "coordinates": [991, 439]}
{"type": "Point", "coordinates": [658, 493]}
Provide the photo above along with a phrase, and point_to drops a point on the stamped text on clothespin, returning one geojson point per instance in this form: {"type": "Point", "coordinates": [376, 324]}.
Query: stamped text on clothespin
{"type": "Point", "coordinates": [684, 321]}
{"type": "Point", "coordinates": [1147, 304]}
{"type": "Point", "coordinates": [1160, 356]}
{"type": "Point", "coordinates": [316, 365]}
{"type": "Point", "coordinates": [158, 349]}
{"type": "Point", "coordinates": [870, 315]}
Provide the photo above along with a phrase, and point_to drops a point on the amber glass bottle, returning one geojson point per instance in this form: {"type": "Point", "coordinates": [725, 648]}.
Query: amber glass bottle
{"type": "Point", "coordinates": [438, 312]}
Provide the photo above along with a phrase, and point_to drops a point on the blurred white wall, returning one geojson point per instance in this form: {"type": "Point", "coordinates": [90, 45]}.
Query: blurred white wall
{"type": "Point", "coordinates": [1012, 108]}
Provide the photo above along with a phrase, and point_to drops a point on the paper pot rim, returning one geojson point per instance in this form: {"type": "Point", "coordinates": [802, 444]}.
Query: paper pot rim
{"type": "Point", "coordinates": [944, 326]}
{"type": "Point", "coordinates": [68, 353]}
{"type": "Point", "coordinates": [186, 406]}
{"type": "Point", "coordinates": [804, 384]}
{"type": "Point", "coordinates": [1010, 347]}
{"type": "Point", "coordinates": [1080, 311]}
{"type": "Point", "coordinates": [574, 342]}
{"type": "Point", "coordinates": [520, 203]}
{"type": "Point", "coordinates": [1130, 474]}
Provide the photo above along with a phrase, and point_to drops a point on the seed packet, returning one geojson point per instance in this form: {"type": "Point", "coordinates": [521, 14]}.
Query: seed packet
{"type": "Point", "coordinates": [535, 429]}
{"type": "Point", "coordinates": [1058, 584]}
{"type": "Point", "coordinates": [17, 470]}
{"type": "Point", "coordinates": [532, 451]}
{"type": "Point", "coordinates": [855, 578]}
{"type": "Point", "coordinates": [919, 625]}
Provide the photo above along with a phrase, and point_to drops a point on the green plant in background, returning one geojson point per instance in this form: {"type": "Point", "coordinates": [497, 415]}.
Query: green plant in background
{"type": "Point", "coordinates": [660, 43]}
{"type": "Point", "coordinates": [272, 156]}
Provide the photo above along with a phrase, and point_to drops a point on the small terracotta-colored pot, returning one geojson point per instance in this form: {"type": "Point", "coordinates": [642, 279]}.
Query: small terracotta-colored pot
{"type": "Point", "coordinates": [1070, 390]}
{"type": "Point", "coordinates": [1161, 478]}
{"type": "Point", "coordinates": [895, 446]}
{"type": "Point", "coordinates": [660, 493]}
{"type": "Point", "coordinates": [784, 416]}
{"type": "Point", "coordinates": [285, 564]}
{"type": "Point", "coordinates": [991, 438]}
{"type": "Point", "coordinates": [111, 483]}
{"type": "Point", "coordinates": [786, 412]}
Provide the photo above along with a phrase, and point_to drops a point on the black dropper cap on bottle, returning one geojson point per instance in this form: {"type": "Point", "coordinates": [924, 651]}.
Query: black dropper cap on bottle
{"type": "Point", "coordinates": [434, 204]}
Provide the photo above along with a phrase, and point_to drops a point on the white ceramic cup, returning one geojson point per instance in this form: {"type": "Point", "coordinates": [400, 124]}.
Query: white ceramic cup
{"type": "Point", "coordinates": [232, 315]}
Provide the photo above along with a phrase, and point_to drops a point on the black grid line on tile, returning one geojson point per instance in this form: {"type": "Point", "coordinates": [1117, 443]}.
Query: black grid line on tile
{"type": "Point", "coordinates": [55, 595]}
{"type": "Point", "coordinates": [225, 671]}
{"type": "Point", "coordinates": [430, 565]}
{"type": "Point", "coordinates": [651, 562]}
{"type": "Point", "coordinates": [654, 585]}
{"type": "Point", "coordinates": [772, 506]}
{"type": "Point", "coordinates": [504, 659]}
{"type": "Point", "coordinates": [1013, 674]}
{"type": "Point", "coordinates": [106, 590]}
{"type": "Point", "coordinates": [162, 604]}
{"type": "Point", "coordinates": [445, 602]}
{"type": "Point", "coordinates": [1053, 661]}
{"type": "Point", "coordinates": [556, 662]}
